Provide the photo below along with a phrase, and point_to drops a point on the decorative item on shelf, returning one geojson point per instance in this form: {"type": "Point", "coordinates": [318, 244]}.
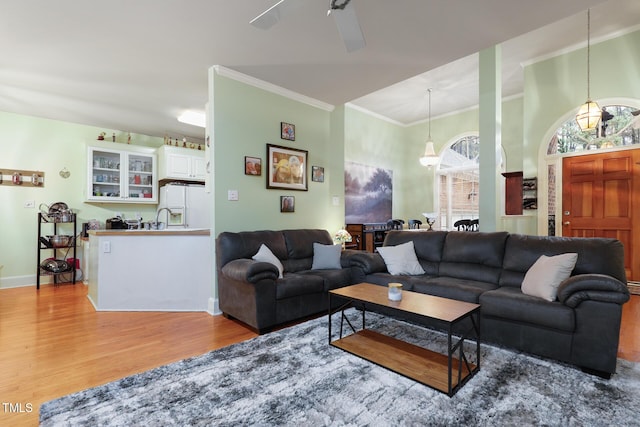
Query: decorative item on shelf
{"type": "Point", "coordinates": [129, 138]}
{"type": "Point", "coordinates": [431, 218]}
{"type": "Point", "coordinates": [395, 291]}
{"type": "Point", "coordinates": [429, 158]}
{"type": "Point", "coordinates": [589, 114]}
{"type": "Point", "coordinates": [342, 236]}
{"type": "Point", "coordinates": [64, 173]}
{"type": "Point", "coordinates": [113, 137]}
{"type": "Point", "coordinates": [16, 178]}
{"type": "Point", "coordinates": [101, 136]}
{"type": "Point", "coordinates": [287, 131]}
{"type": "Point", "coordinates": [184, 142]}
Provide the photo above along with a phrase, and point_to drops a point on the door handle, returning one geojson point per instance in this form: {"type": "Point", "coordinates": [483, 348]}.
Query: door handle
{"type": "Point", "coordinates": [566, 223]}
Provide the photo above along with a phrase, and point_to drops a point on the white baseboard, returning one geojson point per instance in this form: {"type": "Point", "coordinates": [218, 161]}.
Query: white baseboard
{"type": "Point", "coordinates": [214, 307]}
{"type": "Point", "coordinates": [22, 281]}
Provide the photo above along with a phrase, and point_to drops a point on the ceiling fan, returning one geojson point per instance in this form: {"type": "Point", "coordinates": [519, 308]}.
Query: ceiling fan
{"type": "Point", "coordinates": [342, 11]}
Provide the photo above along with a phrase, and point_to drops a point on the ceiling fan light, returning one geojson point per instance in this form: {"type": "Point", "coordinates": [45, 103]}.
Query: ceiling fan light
{"type": "Point", "coordinates": [588, 115]}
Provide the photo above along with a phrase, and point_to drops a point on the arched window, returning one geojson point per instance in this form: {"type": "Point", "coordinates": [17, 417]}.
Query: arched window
{"type": "Point", "coordinates": [458, 181]}
{"type": "Point", "coordinates": [619, 126]}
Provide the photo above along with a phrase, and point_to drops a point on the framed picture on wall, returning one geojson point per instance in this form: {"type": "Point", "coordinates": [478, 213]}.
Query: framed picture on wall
{"type": "Point", "coordinates": [287, 204]}
{"type": "Point", "coordinates": [286, 168]}
{"type": "Point", "coordinates": [317, 173]}
{"type": "Point", "coordinates": [252, 166]}
{"type": "Point", "coordinates": [287, 131]}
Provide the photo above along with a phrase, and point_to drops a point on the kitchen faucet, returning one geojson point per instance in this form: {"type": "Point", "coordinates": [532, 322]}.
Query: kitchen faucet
{"type": "Point", "coordinates": [158, 216]}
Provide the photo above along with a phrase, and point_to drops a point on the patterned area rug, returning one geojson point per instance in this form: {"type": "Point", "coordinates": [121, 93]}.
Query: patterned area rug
{"type": "Point", "coordinates": [293, 377]}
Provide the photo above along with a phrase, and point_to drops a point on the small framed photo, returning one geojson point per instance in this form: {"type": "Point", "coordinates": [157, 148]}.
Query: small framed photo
{"type": "Point", "coordinates": [317, 173]}
{"type": "Point", "coordinates": [252, 166]}
{"type": "Point", "coordinates": [287, 203]}
{"type": "Point", "coordinates": [287, 131]}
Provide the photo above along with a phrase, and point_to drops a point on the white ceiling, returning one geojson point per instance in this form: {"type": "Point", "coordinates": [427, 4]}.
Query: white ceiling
{"type": "Point", "coordinates": [136, 65]}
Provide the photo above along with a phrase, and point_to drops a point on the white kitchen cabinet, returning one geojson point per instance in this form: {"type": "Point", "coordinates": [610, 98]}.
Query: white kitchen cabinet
{"type": "Point", "coordinates": [181, 163]}
{"type": "Point", "coordinates": [120, 175]}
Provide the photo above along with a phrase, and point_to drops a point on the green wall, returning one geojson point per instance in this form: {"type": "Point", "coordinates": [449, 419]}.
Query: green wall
{"type": "Point", "coordinates": [30, 143]}
{"type": "Point", "coordinates": [555, 88]}
{"type": "Point", "coordinates": [246, 119]}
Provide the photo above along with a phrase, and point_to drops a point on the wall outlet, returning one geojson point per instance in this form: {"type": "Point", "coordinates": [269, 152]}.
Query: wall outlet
{"type": "Point", "coordinates": [106, 247]}
{"type": "Point", "coordinates": [232, 195]}
{"type": "Point", "coordinates": [30, 204]}
{"type": "Point", "coordinates": [335, 200]}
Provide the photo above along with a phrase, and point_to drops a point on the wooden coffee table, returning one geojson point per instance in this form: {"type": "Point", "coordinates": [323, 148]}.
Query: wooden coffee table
{"type": "Point", "coordinates": [444, 373]}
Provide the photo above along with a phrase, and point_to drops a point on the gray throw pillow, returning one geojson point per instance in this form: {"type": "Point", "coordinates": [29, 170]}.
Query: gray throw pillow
{"type": "Point", "coordinates": [545, 275]}
{"type": "Point", "coordinates": [326, 257]}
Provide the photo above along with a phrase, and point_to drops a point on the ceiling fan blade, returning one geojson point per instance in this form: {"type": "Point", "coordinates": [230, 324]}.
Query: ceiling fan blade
{"type": "Point", "coordinates": [269, 17]}
{"type": "Point", "coordinates": [348, 27]}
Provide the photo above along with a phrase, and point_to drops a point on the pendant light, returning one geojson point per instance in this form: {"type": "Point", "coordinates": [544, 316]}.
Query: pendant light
{"type": "Point", "coordinates": [589, 114]}
{"type": "Point", "coordinates": [429, 158]}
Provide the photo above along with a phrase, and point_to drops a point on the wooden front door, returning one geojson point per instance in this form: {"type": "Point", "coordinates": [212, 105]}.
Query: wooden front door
{"type": "Point", "coordinates": [601, 198]}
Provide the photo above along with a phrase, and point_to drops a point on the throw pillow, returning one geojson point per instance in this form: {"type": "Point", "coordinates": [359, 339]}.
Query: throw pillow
{"type": "Point", "coordinates": [264, 254]}
{"type": "Point", "coordinates": [545, 275]}
{"type": "Point", "coordinates": [401, 259]}
{"type": "Point", "coordinates": [326, 257]}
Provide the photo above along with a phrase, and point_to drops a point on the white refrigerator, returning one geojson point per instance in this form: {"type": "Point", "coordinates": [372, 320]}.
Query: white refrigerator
{"type": "Point", "coordinates": [188, 205]}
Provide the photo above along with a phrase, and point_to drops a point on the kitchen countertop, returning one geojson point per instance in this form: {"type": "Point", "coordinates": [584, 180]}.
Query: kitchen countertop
{"type": "Point", "coordinates": [166, 232]}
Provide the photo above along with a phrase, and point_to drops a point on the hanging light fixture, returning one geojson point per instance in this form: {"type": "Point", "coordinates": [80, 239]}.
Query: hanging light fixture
{"type": "Point", "coordinates": [429, 158]}
{"type": "Point", "coordinates": [589, 114]}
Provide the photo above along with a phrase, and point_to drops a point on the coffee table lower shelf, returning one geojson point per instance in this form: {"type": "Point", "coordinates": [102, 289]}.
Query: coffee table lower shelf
{"type": "Point", "coordinates": [419, 364]}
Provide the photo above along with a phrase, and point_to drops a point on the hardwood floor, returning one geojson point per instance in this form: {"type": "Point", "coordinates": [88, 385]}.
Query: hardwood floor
{"type": "Point", "coordinates": [52, 343]}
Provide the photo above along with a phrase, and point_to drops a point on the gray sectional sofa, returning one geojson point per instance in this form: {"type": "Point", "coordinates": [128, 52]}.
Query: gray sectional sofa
{"type": "Point", "coordinates": [581, 326]}
{"type": "Point", "coordinates": [252, 292]}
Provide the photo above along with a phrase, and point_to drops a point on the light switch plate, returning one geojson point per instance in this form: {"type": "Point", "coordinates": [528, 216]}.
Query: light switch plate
{"type": "Point", "coordinates": [335, 200]}
{"type": "Point", "coordinates": [232, 195]}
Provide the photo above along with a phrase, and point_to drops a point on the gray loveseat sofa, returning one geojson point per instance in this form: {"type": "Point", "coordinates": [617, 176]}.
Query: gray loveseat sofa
{"type": "Point", "coordinates": [252, 292]}
{"type": "Point", "coordinates": [580, 327]}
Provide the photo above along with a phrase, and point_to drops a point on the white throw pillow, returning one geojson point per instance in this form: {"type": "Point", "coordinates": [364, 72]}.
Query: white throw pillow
{"type": "Point", "coordinates": [401, 259]}
{"type": "Point", "coordinates": [264, 254]}
{"type": "Point", "coordinates": [326, 257]}
{"type": "Point", "coordinates": [546, 274]}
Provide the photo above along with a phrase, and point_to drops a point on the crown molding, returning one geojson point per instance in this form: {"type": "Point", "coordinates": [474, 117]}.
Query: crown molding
{"type": "Point", "coordinates": [270, 87]}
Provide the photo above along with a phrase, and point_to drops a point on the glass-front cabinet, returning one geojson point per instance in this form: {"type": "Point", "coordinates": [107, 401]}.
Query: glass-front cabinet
{"type": "Point", "coordinates": [122, 176]}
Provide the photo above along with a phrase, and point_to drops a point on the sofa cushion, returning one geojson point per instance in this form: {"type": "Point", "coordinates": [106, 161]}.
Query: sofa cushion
{"type": "Point", "coordinates": [401, 259]}
{"type": "Point", "coordinates": [332, 279]}
{"type": "Point", "coordinates": [544, 276]}
{"type": "Point", "coordinates": [427, 245]}
{"type": "Point", "coordinates": [595, 255]}
{"type": "Point", "coordinates": [510, 303]}
{"type": "Point", "coordinates": [264, 254]}
{"type": "Point", "coordinates": [300, 242]}
{"type": "Point", "coordinates": [449, 287]}
{"type": "Point", "coordinates": [245, 244]}
{"type": "Point", "coordinates": [473, 256]}
{"type": "Point", "coordinates": [294, 284]}
{"type": "Point", "coordinates": [326, 257]}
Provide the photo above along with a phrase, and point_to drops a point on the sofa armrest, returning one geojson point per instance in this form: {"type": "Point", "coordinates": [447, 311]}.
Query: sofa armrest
{"type": "Point", "coordinates": [345, 257]}
{"type": "Point", "coordinates": [248, 270]}
{"type": "Point", "coordinates": [595, 287]}
{"type": "Point", "coordinates": [368, 262]}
